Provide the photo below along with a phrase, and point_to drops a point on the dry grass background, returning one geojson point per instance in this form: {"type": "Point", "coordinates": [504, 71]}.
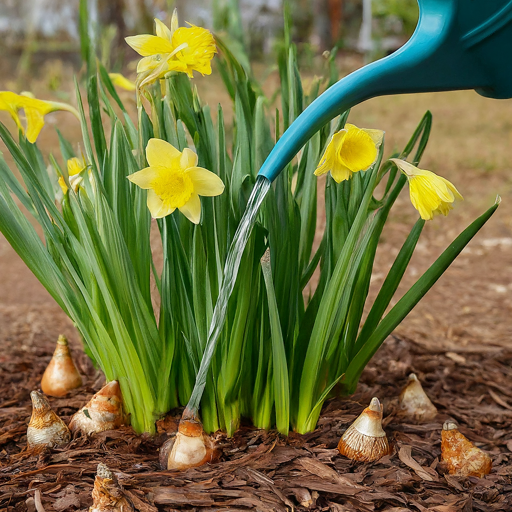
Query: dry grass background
{"type": "Point", "coordinates": [470, 145]}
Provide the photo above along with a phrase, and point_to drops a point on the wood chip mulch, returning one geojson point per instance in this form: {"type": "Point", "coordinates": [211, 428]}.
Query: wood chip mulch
{"type": "Point", "coordinates": [264, 471]}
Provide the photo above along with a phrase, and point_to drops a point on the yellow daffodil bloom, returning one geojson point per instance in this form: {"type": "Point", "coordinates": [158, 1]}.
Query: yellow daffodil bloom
{"type": "Point", "coordinates": [76, 166]}
{"type": "Point", "coordinates": [121, 81]}
{"type": "Point", "coordinates": [173, 180]}
{"type": "Point", "coordinates": [35, 110]}
{"type": "Point", "coordinates": [430, 194]}
{"type": "Point", "coordinates": [185, 49]}
{"type": "Point", "coordinates": [350, 150]}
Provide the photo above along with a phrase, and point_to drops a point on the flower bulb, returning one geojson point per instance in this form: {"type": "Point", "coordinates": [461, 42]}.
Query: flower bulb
{"type": "Point", "coordinates": [365, 440]}
{"type": "Point", "coordinates": [61, 375]}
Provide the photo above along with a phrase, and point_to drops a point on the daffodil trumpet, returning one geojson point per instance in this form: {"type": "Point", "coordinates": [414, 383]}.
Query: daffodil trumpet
{"type": "Point", "coordinates": [61, 375]}
{"type": "Point", "coordinates": [103, 412]}
{"type": "Point", "coordinates": [414, 402]}
{"type": "Point", "coordinates": [460, 455]}
{"type": "Point", "coordinates": [107, 494]}
{"type": "Point", "coordinates": [46, 429]}
{"type": "Point", "coordinates": [191, 447]}
{"type": "Point", "coordinates": [185, 50]}
{"type": "Point", "coordinates": [365, 440]}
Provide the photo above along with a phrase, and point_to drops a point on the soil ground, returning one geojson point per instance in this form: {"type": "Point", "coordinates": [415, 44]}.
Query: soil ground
{"type": "Point", "coordinates": [458, 340]}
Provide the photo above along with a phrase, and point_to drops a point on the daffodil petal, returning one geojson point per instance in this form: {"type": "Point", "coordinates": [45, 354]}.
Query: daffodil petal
{"type": "Point", "coordinates": [147, 45]}
{"type": "Point", "coordinates": [160, 153]}
{"type": "Point", "coordinates": [192, 209]}
{"type": "Point", "coordinates": [35, 123]}
{"type": "Point", "coordinates": [188, 159]}
{"type": "Point", "coordinates": [144, 178]}
{"type": "Point", "coordinates": [162, 30]}
{"type": "Point", "coordinates": [121, 81]}
{"type": "Point", "coordinates": [406, 167]}
{"type": "Point", "coordinates": [341, 173]}
{"type": "Point", "coordinates": [206, 183]}
{"type": "Point", "coordinates": [452, 188]}
{"type": "Point", "coordinates": [174, 21]}
{"type": "Point", "coordinates": [376, 135]}
{"type": "Point", "coordinates": [157, 207]}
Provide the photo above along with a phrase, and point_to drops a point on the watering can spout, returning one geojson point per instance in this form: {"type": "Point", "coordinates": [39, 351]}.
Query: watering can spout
{"type": "Point", "coordinates": [458, 44]}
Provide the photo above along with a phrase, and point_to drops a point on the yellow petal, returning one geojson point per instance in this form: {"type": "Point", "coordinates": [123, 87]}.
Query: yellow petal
{"type": "Point", "coordinates": [341, 173]}
{"type": "Point", "coordinates": [157, 207]}
{"type": "Point", "coordinates": [121, 81]}
{"type": "Point", "coordinates": [10, 102]}
{"type": "Point", "coordinates": [188, 159]}
{"type": "Point", "coordinates": [192, 209]}
{"type": "Point", "coordinates": [144, 178]}
{"type": "Point", "coordinates": [63, 185]}
{"type": "Point", "coordinates": [162, 30]}
{"type": "Point", "coordinates": [330, 159]}
{"type": "Point", "coordinates": [206, 183]}
{"type": "Point", "coordinates": [174, 21]}
{"type": "Point", "coordinates": [146, 44]}
{"type": "Point", "coordinates": [35, 123]}
{"type": "Point", "coordinates": [160, 153]}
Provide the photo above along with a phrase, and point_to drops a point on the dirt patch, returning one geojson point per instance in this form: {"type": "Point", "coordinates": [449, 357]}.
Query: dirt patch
{"type": "Point", "coordinates": [262, 470]}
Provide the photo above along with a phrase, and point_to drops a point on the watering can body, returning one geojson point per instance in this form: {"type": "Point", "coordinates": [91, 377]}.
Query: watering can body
{"type": "Point", "coordinates": [458, 44]}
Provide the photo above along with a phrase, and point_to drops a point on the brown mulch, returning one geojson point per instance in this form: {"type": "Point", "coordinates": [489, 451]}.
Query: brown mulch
{"type": "Point", "coordinates": [264, 471]}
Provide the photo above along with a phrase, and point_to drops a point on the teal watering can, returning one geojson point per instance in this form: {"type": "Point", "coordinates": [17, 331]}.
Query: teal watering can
{"type": "Point", "coordinates": [458, 44]}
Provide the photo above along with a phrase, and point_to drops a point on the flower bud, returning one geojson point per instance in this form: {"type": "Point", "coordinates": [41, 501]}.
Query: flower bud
{"type": "Point", "coordinates": [45, 429]}
{"type": "Point", "coordinates": [461, 456]}
{"type": "Point", "coordinates": [61, 375]}
{"type": "Point", "coordinates": [104, 411]}
{"type": "Point", "coordinates": [365, 440]}
{"type": "Point", "coordinates": [415, 403]}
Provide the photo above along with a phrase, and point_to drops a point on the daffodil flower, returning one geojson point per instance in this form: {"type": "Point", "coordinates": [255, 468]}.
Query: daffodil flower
{"type": "Point", "coordinates": [430, 194]}
{"type": "Point", "coordinates": [173, 180]}
{"type": "Point", "coordinates": [35, 110]}
{"type": "Point", "coordinates": [121, 81]}
{"type": "Point", "coordinates": [185, 49]}
{"type": "Point", "coordinates": [350, 150]}
{"type": "Point", "coordinates": [76, 167]}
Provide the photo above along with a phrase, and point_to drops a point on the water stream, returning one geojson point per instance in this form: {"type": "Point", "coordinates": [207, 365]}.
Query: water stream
{"type": "Point", "coordinates": [260, 190]}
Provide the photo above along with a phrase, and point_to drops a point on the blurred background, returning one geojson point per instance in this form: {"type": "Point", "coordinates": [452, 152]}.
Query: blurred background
{"type": "Point", "coordinates": [471, 141]}
{"type": "Point", "coordinates": [34, 32]}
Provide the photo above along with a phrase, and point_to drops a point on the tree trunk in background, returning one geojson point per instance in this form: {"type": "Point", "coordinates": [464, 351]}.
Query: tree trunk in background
{"type": "Point", "coordinates": [322, 25]}
{"type": "Point", "coordinates": [336, 16]}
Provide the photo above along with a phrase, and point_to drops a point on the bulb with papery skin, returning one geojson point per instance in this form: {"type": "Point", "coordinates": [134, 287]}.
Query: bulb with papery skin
{"type": "Point", "coordinates": [103, 412]}
{"type": "Point", "coordinates": [191, 447]}
{"type": "Point", "coordinates": [61, 375]}
{"type": "Point", "coordinates": [45, 429]}
{"type": "Point", "coordinates": [461, 456]}
{"type": "Point", "coordinates": [365, 440]}
{"type": "Point", "coordinates": [415, 403]}
{"type": "Point", "coordinates": [107, 494]}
